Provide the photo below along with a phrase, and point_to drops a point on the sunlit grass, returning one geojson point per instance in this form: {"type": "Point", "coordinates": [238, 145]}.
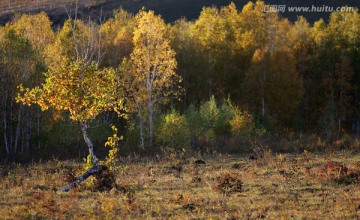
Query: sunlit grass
{"type": "Point", "coordinates": [294, 186]}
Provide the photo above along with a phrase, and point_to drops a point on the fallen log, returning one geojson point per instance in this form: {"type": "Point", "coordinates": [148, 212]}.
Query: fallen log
{"type": "Point", "coordinates": [97, 169]}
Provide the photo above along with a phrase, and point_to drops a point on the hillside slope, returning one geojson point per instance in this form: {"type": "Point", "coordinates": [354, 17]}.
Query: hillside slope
{"type": "Point", "coordinates": [170, 10]}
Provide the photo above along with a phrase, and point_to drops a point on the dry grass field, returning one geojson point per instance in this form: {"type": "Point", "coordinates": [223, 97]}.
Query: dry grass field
{"type": "Point", "coordinates": [273, 186]}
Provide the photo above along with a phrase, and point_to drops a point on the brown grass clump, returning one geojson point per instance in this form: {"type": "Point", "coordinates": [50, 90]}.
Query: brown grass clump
{"type": "Point", "coordinates": [341, 174]}
{"type": "Point", "coordinates": [335, 172]}
{"type": "Point", "coordinates": [229, 183]}
{"type": "Point", "coordinates": [335, 169]}
{"type": "Point", "coordinates": [352, 178]}
{"type": "Point", "coordinates": [104, 181]}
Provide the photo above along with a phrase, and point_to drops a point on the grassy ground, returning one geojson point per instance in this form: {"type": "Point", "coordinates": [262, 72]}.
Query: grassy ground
{"type": "Point", "coordinates": [225, 187]}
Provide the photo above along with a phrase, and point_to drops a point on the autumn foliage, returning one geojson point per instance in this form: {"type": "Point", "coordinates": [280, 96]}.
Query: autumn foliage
{"type": "Point", "coordinates": [147, 77]}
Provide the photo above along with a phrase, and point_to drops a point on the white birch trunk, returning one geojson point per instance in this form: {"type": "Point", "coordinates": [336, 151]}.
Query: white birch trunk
{"type": "Point", "coordinates": [151, 132]}
{"type": "Point", "coordinates": [17, 133]}
{"type": "Point", "coordinates": [11, 133]}
{"type": "Point", "coordinates": [89, 144]}
{"type": "Point", "coordinates": [5, 126]}
{"type": "Point", "coordinates": [4, 95]}
{"type": "Point", "coordinates": [95, 169]}
{"type": "Point", "coordinates": [142, 133]}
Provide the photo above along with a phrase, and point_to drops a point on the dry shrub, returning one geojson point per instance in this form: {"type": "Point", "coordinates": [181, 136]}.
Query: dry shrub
{"type": "Point", "coordinates": [335, 169]}
{"type": "Point", "coordinates": [229, 183]}
{"type": "Point", "coordinates": [350, 178]}
{"type": "Point", "coordinates": [335, 172]}
{"type": "Point", "coordinates": [104, 181]}
{"type": "Point", "coordinates": [261, 154]}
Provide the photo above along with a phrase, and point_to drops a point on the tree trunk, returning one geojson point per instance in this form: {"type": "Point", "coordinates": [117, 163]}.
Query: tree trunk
{"type": "Point", "coordinates": [142, 133]}
{"type": "Point", "coordinates": [17, 133]}
{"type": "Point", "coordinates": [89, 143]}
{"type": "Point", "coordinates": [6, 143]}
{"type": "Point", "coordinates": [38, 128]}
{"type": "Point", "coordinates": [151, 132]}
{"type": "Point", "coordinates": [339, 126]}
{"type": "Point", "coordinates": [263, 106]}
{"type": "Point", "coordinates": [11, 132]}
{"type": "Point", "coordinates": [358, 126]}
{"type": "Point", "coordinates": [27, 132]}
{"type": "Point", "coordinates": [262, 79]}
{"type": "Point", "coordinates": [93, 170]}
{"type": "Point", "coordinates": [333, 117]}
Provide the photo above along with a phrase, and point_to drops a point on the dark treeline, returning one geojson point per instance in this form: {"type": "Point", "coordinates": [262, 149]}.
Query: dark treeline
{"type": "Point", "coordinates": [241, 75]}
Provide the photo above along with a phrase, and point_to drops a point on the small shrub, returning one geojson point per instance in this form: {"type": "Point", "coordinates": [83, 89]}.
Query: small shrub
{"type": "Point", "coordinates": [112, 160]}
{"type": "Point", "coordinates": [104, 181]}
{"type": "Point", "coordinates": [226, 114]}
{"type": "Point", "coordinates": [229, 183]}
{"type": "Point", "coordinates": [351, 178]}
{"type": "Point", "coordinates": [173, 131]}
{"type": "Point", "coordinates": [214, 125]}
{"type": "Point", "coordinates": [209, 113]}
{"type": "Point", "coordinates": [335, 170]}
{"type": "Point", "coordinates": [343, 143]}
{"type": "Point", "coordinates": [132, 136]}
{"type": "Point", "coordinates": [88, 162]}
{"type": "Point", "coordinates": [193, 122]}
{"type": "Point", "coordinates": [341, 174]}
{"type": "Point", "coordinates": [261, 152]}
{"type": "Point", "coordinates": [242, 125]}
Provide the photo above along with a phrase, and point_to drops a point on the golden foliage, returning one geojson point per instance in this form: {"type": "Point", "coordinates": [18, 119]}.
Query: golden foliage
{"type": "Point", "coordinates": [149, 74]}
{"type": "Point", "coordinates": [83, 90]}
{"type": "Point", "coordinates": [36, 28]}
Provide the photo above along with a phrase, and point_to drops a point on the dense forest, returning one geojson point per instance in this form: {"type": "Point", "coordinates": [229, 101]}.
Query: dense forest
{"type": "Point", "coordinates": [225, 81]}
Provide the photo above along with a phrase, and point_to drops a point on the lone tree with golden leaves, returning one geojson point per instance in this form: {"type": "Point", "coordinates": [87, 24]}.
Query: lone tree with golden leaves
{"type": "Point", "coordinates": [149, 74]}
{"type": "Point", "coordinates": [76, 84]}
{"type": "Point", "coordinates": [82, 89]}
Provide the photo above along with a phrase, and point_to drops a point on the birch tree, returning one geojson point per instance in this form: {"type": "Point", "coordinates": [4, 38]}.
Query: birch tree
{"type": "Point", "coordinates": [117, 37]}
{"type": "Point", "coordinates": [149, 74]}
{"type": "Point", "coordinates": [82, 89]}
{"type": "Point", "coordinates": [75, 83]}
{"type": "Point", "coordinates": [17, 64]}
